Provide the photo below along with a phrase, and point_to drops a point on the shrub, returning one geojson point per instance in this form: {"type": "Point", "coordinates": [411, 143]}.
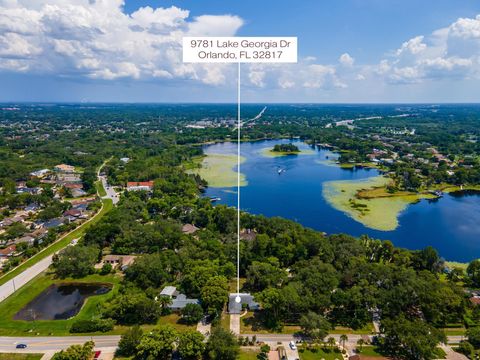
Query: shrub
{"type": "Point", "coordinates": [86, 326]}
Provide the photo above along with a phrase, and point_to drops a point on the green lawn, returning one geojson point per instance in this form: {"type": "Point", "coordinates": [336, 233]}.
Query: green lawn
{"type": "Point", "coordinates": [367, 329]}
{"type": "Point", "coordinates": [248, 354]}
{"type": "Point", "coordinates": [13, 356]}
{"type": "Point", "coordinates": [100, 189]}
{"type": "Point", "coordinates": [370, 351]}
{"type": "Point", "coordinates": [253, 323]}
{"type": "Point", "coordinates": [60, 244]}
{"type": "Point", "coordinates": [318, 354]}
{"type": "Point", "coordinates": [91, 308]}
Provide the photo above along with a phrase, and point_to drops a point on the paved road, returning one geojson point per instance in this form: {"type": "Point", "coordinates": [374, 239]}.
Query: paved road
{"type": "Point", "coordinates": [21, 279]}
{"type": "Point", "coordinates": [44, 344]}
{"type": "Point", "coordinates": [111, 193]}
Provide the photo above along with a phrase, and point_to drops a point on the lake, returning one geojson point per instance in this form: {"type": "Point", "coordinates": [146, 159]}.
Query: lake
{"type": "Point", "coordinates": [450, 224]}
{"type": "Point", "coordinates": [59, 302]}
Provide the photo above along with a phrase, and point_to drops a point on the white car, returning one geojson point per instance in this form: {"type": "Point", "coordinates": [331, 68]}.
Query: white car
{"type": "Point", "coordinates": [292, 345]}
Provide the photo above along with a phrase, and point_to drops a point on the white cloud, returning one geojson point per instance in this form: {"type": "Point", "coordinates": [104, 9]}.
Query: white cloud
{"type": "Point", "coordinates": [346, 60]}
{"type": "Point", "coordinates": [98, 40]}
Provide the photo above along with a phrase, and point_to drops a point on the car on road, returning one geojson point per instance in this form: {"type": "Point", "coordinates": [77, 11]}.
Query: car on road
{"type": "Point", "coordinates": [292, 345]}
{"type": "Point", "coordinates": [21, 346]}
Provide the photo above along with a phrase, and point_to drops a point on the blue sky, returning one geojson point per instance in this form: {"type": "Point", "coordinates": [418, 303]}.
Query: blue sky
{"type": "Point", "coordinates": [349, 50]}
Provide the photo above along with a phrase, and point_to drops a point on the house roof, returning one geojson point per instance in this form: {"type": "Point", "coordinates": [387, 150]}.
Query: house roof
{"type": "Point", "coordinates": [9, 250]}
{"type": "Point", "coordinates": [140, 183]}
{"type": "Point", "coordinates": [72, 212]}
{"type": "Point", "coordinates": [246, 299]}
{"type": "Point", "coordinates": [53, 223]}
{"type": "Point", "coordinates": [189, 229]}
{"type": "Point", "coordinates": [64, 167]}
{"type": "Point", "coordinates": [23, 239]}
{"type": "Point", "coordinates": [169, 291]}
{"type": "Point", "coordinates": [181, 301]}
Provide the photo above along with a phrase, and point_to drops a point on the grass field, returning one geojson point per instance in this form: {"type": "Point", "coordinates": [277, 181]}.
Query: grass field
{"type": "Point", "coordinates": [100, 189]}
{"type": "Point", "coordinates": [368, 329]}
{"type": "Point", "coordinates": [10, 306]}
{"type": "Point", "coordinates": [13, 356]}
{"type": "Point", "coordinates": [379, 213]}
{"type": "Point", "coordinates": [251, 323]}
{"type": "Point", "coordinates": [318, 354]}
{"type": "Point", "coordinates": [60, 244]}
{"type": "Point", "coordinates": [248, 354]}
{"type": "Point", "coordinates": [369, 351]}
{"type": "Point", "coordinates": [219, 170]}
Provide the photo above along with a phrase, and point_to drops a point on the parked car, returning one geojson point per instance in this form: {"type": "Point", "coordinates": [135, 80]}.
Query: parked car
{"type": "Point", "coordinates": [292, 345]}
{"type": "Point", "coordinates": [21, 346]}
{"type": "Point", "coordinates": [97, 354]}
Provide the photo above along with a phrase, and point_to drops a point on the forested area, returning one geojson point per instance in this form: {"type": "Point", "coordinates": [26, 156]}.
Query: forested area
{"type": "Point", "coordinates": [298, 275]}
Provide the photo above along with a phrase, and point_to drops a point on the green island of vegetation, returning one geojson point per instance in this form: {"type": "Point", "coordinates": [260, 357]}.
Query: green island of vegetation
{"type": "Point", "coordinates": [218, 170]}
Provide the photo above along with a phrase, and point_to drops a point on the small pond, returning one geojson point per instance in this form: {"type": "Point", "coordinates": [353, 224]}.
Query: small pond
{"type": "Point", "coordinates": [58, 302]}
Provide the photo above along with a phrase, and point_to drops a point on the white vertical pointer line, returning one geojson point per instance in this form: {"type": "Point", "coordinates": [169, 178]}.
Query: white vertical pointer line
{"type": "Point", "coordinates": [238, 181]}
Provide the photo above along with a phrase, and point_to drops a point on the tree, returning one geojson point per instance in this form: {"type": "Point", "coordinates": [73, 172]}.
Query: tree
{"type": "Point", "coordinates": [360, 343]}
{"type": "Point", "coordinates": [261, 275]}
{"type": "Point", "coordinates": [215, 294]}
{"type": "Point", "coordinates": [132, 308]}
{"type": "Point", "coordinates": [75, 261]}
{"type": "Point", "coordinates": [157, 344]}
{"type": "Point", "coordinates": [343, 339]}
{"type": "Point", "coordinates": [331, 342]}
{"type": "Point", "coordinates": [76, 352]}
{"type": "Point", "coordinates": [191, 345]}
{"type": "Point", "coordinates": [222, 345]}
{"type": "Point", "coordinates": [473, 336]}
{"type": "Point", "coordinates": [473, 272]}
{"type": "Point", "coordinates": [315, 326]}
{"type": "Point", "coordinates": [410, 339]}
{"type": "Point", "coordinates": [129, 341]}
{"type": "Point", "coordinates": [192, 313]}
{"type": "Point", "coordinates": [272, 301]}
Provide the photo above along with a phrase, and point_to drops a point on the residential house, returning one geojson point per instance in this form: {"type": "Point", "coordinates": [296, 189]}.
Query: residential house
{"type": "Point", "coordinates": [40, 173]}
{"type": "Point", "coordinates": [63, 168]}
{"type": "Point", "coordinates": [8, 251]}
{"type": "Point", "coordinates": [54, 223]}
{"type": "Point", "coordinates": [32, 207]}
{"type": "Point", "coordinates": [125, 160]}
{"type": "Point", "coordinates": [189, 229]}
{"type": "Point", "coordinates": [179, 301]}
{"type": "Point", "coordinates": [246, 300]}
{"type": "Point", "coordinates": [78, 193]}
{"type": "Point", "coordinates": [139, 186]}
{"type": "Point", "coordinates": [121, 261]}
{"type": "Point", "coordinates": [25, 239]}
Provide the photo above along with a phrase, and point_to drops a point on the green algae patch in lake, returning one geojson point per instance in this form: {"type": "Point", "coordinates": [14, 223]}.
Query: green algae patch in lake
{"type": "Point", "coordinates": [219, 170]}
{"type": "Point", "coordinates": [375, 213]}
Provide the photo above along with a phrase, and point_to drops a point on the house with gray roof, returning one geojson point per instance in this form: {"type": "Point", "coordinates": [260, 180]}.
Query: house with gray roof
{"type": "Point", "coordinates": [246, 300]}
{"type": "Point", "coordinates": [179, 301]}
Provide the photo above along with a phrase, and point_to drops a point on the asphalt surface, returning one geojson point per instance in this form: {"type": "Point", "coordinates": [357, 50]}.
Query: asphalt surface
{"type": "Point", "coordinates": [111, 193]}
{"type": "Point", "coordinates": [45, 343]}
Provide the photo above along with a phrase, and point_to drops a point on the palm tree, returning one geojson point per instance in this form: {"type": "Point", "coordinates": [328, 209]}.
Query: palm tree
{"type": "Point", "coordinates": [360, 343]}
{"type": "Point", "coordinates": [343, 339]}
{"type": "Point", "coordinates": [331, 342]}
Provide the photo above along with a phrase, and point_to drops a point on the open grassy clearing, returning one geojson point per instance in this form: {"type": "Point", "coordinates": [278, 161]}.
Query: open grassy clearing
{"type": "Point", "coordinates": [15, 356]}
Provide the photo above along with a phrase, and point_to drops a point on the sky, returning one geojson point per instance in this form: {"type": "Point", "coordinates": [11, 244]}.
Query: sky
{"type": "Point", "coordinates": [361, 51]}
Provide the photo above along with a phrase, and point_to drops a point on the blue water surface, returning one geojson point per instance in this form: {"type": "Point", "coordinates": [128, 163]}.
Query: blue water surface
{"type": "Point", "coordinates": [450, 224]}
